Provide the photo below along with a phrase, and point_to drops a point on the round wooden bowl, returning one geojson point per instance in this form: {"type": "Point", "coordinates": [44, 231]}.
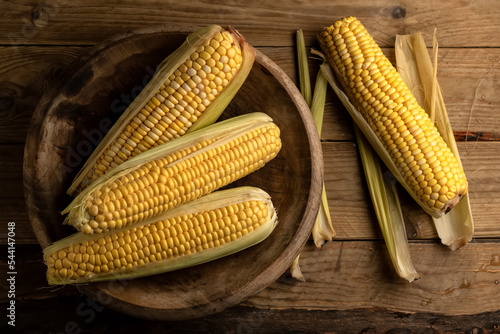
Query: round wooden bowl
{"type": "Point", "coordinates": [74, 114]}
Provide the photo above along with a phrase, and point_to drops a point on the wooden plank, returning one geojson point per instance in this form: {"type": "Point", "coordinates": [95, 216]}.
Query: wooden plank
{"type": "Point", "coordinates": [14, 210]}
{"type": "Point", "coordinates": [350, 275]}
{"type": "Point", "coordinates": [11, 163]}
{"type": "Point", "coordinates": [470, 89]}
{"type": "Point", "coordinates": [11, 171]}
{"type": "Point", "coordinates": [469, 82]}
{"type": "Point", "coordinates": [483, 174]}
{"type": "Point", "coordinates": [25, 74]}
{"type": "Point", "coordinates": [349, 203]}
{"type": "Point", "coordinates": [263, 23]}
{"type": "Point", "coordinates": [78, 312]}
{"type": "Point", "coordinates": [348, 198]}
{"type": "Point", "coordinates": [31, 282]}
{"type": "Point", "coordinates": [468, 78]}
{"type": "Point", "coordinates": [12, 205]}
{"type": "Point", "coordinates": [346, 275]}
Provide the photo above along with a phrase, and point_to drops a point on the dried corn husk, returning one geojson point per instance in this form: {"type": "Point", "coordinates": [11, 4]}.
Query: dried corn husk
{"type": "Point", "coordinates": [455, 228]}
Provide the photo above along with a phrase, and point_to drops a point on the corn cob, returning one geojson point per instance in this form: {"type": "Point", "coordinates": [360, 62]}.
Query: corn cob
{"type": "Point", "coordinates": [189, 90]}
{"type": "Point", "coordinates": [175, 173]}
{"type": "Point", "coordinates": [424, 163]}
{"type": "Point", "coordinates": [208, 228]}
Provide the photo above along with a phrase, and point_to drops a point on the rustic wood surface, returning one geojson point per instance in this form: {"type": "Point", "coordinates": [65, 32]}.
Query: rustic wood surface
{"type": "Point", "coordinates": [350, 285]}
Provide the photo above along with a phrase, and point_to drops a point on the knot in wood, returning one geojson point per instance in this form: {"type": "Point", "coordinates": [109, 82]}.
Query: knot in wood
{"type": "Point", "coordinates": [398, 13]}
{"type": "Point", "coordinates": [39, 16]}
{"type": "Point", "coordinates": [6, 103]}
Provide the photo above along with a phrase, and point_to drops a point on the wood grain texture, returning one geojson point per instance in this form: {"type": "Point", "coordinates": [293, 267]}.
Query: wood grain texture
{"type": "Point", "coordinates": [12, 205]}
{"type": "Point", "coordinates": [351, 286]}
{"type": "Point", "coordinates": [264, 23]}
{"type": "Point", "coordinates": [346, 275]}
{"type": "Point", "coordinates": [85, 314]}
{"type": "Point", "coordinates": [14, 210]}
{"type": "Point", "coordinates": [25, 74]}
{"type": "Point", "coordinates": [10, 161]}
{"type": "Point", "coordinates": [349, 275]}
{"type": "Point", "coordinates": [350, 206]}
{"type": "Point", "coordinates": [468, 78]}
{"type": "Point", "coordinates": [348, 198]}
{"type": "Point", "coordinates": [470, 89]}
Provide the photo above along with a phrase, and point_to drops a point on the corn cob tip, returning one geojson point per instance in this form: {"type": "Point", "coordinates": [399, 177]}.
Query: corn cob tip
{"type": "Point", "coordinates": [236, 33]}
{"type": "Point", "coordinates": [453, 202]}
{"type": "Point", "coordinates": [337, 24]}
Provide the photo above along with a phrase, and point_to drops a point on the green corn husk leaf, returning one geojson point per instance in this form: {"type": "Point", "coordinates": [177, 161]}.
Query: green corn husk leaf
{"type": "Point", "coordinates": [210, 202]}
{"type": "Point", "coordinates": [305, 90]}
{"type": "Point", "coordinates": [220, 133]}
{"type": "Point", "coordinates": [456, 228]}
{"type": "Point", "coordinates": [164, 70]}
{"type": "Point", "coordinates": [304, 78]}
{"type": "Point", "coordinates": [323, 231]}
{"type": "Point", "coordinates": [385, 201]}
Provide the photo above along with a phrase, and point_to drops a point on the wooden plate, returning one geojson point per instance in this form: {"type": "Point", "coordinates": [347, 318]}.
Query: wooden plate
{"type": "Point", "coordinates": [74, 114]}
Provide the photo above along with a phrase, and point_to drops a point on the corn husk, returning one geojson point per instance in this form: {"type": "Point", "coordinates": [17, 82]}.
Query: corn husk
{"type": "Point", "coordinates": [456, 228]}
{"type": "Point", "coordinates": [304, 78]}
{"type": "Point", "coordinates": [384, 196]}
{"type": "Point", "coordinates": [323, 231]}
{"type": "Point", "coordinates": [295, 271]}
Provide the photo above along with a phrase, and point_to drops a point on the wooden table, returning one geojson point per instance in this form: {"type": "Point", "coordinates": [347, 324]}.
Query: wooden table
{"type": "Point", "coordinates": [350, 284]}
